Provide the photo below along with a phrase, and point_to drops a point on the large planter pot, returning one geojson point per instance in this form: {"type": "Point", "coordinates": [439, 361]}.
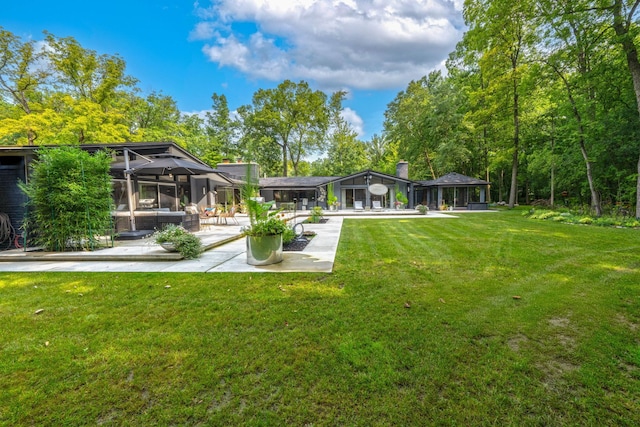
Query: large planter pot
{"type": "Point", "coordinates": [264, 250]}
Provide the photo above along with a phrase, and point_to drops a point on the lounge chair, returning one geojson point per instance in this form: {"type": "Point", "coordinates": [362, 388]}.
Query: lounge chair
{"type": "Point", "coordinates": [357, 205]}
{"type": "Point", "coordinates": [376, 205]}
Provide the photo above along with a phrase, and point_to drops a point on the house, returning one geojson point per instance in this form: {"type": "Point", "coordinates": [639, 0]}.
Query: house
{"type": "Point", "coordinates": [368, 186]}
{"type": "Point", "coordinates": [152, 183]}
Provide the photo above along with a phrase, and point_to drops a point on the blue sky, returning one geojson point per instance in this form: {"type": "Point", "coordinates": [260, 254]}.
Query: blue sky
{"type": "Point", "coordinates": [189, 50]}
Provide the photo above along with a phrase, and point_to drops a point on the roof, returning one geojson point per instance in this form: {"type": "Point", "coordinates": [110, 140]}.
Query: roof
{"type": "Point", "coordinates": [295, 181]}
{"type": "Point", "coordinates": [374, 173]}
{"type": "Point", "coordinates": [453, 179]}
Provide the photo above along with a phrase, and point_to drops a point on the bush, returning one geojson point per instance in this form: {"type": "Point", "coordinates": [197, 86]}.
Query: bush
{"type": "Point", "coordinates": [189, 245]}
{"type": "Point", "coordinates": [288, 235]}
{"type": "Point", "coordinates": [580, 218]}
{"type": "Point", "coordinates": [316, 215]}
{"type": "Point", "coordinates": [69, 194]}
{"type": "Point", "coordinates": [422, 209]}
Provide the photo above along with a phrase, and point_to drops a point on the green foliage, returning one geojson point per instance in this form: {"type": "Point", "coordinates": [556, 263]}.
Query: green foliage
{"type": "Point", "coordinates": [288, 235]}
{"type": "Point", "coordinates": [332, 199]}
{"type": "Point", "coordinates": [188, 244]}
{"type": "Point", "coordinates": [291, 120]}
{"type": "Point", "coordinates": [70, 201]}
{"type": "Point", "coordinates": [59, 92]}
{"type": "Point", "coordinates": [401, 197]}
{"type": "Point", "coordinates": [263, 219]}
{"type": "Point", "coordinates": [422, 209]}
{"type": "Point", "coordinates": [316, 215]}
{"type": "Point", "coordinates": [578, 218]}
{"type": "Point", "coordinates": [270, 224]}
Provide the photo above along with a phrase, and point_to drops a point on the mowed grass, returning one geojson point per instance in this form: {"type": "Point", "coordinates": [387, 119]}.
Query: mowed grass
{"type": "Point", "coordinates": [418, 325]}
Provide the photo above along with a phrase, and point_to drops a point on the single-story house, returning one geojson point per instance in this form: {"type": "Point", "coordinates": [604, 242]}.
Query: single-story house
{"type": "Point", "coordinates": [153, 181]}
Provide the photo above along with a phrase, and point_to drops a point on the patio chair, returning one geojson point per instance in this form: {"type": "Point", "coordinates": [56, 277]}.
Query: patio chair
{"type": "Point", "coordinates": [376, 205]}
{"type": "Point", "coordinates": [229, 215]}
{"type": "Point", "coordinates": [208, 217]}
{"type": "Point", "coordinates": [357, 205]}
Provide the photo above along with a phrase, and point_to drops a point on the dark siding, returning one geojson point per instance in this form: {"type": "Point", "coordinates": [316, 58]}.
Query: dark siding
{"type": "Point", "coordinates": [12, 199]}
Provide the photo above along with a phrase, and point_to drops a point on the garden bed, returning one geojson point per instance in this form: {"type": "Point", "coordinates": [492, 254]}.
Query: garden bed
{"type": "Point", "coordinates": [299, 243]}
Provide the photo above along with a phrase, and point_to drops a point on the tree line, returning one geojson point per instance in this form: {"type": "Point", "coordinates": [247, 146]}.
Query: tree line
{"type": "Point", "coordinates": [541, 98]}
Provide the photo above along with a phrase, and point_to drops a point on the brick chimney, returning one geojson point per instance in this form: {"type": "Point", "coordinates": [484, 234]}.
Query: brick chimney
{"type": "Point", "coordinates": [402, 169]}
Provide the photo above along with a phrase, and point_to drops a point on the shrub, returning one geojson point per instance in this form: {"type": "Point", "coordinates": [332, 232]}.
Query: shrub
{"type": "Point", "coordinates": [288, 235]}
{"type": "Point", "coordinates": [580, 218]}
{"type": "Point", "coordinates": [189, 245]}
{"type": "Point", "coordinates": [316, 215]}
{"type": "Point", "coordinates": [69, 194]}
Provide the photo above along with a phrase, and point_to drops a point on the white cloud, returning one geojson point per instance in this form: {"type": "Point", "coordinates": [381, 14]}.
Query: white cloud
{"type": "Point", "coordinates": [203, 31]}
{"type": "Point", "coordinates": [361, 44]}
{"type": "Point", "coordinates": [356, 122]}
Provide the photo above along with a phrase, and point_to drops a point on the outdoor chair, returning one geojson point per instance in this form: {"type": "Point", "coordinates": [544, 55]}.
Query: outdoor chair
{"type": "Point", "coordinates": [208, 217]}
{"type": "Point", "coordinates": [376, 205]}
{"type": "Point", "coordinates": [357, 205]}
{"type": "Point", "coordinates": [229, 215]}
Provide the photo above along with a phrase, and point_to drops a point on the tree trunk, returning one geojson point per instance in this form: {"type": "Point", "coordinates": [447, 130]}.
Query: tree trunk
{"type": "Point", "coordinates": [621, 26]}
{"type": "Point", "coordinates": [513, 191]}
{"type": "Point", "coordinates": [285, 160]}
{"type": "Point", "coordinates": [595, 200]}
{"type": "Point", "coordinates": [433, 174]}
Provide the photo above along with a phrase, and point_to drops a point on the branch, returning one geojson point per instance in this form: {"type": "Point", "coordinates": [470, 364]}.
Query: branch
{"type": "Point", "coordinates": [631, 13]}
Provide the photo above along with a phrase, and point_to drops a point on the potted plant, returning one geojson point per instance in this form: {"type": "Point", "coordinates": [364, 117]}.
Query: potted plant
{"type": "Point", "coordinates": [264, 233]}
{"type": "Point", "coordinates": [175, 238]}
{"type": "Point", "coordinates": [401, 200]}
{"type": "Point", "coordinates": [422, 209]}
{"type": "Point", "coordinates": [332, 199]}
{"type": "Point", "coordinates": [265, 229]}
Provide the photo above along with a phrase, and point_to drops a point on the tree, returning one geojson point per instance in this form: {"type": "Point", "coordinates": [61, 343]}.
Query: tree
{"type": "Point", "coordinates": [84, 74]}
{"type": "Point", "coordinates": [571, 43]}
{"type": "Point", "coordinates": [221, 129]}
{"type": "Point", "coordinates": [20, 81]}
{"type": "Point", "coordinates": [61, 93]}
{"type": "Point", "coordinates": [346, 154]}
{"type": "Point", "coordinates": [379, 154]}
{"type": "Point", "coordinates": [503, 31]}
{"type": "Point", "coordinates": [292, 117]}
{"type": "Point", "coordinates": [624, 14]}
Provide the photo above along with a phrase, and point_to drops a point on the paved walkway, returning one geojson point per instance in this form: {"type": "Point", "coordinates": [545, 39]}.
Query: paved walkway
{"type": "Point", "coordinates": [226, 252]}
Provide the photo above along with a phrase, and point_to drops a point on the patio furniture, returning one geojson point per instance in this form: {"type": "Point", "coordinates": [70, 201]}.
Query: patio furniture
{"type": "Point", "coordinates": [376, 205]}
{"type": "Point", "coordinates": [208, 216]}
{"type": "Point", "coordinates": [229, 215]}
{"type": "Point", "coordinates": [357, 205]}
{"type": "Point", "coordinates": [155, 220]}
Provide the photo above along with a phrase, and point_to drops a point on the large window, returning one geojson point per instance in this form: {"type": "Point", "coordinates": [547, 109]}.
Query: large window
{"type": "Point", "coordinates": [154, 195]}
{"type": "Point", "coordinates": [298, 196]}
{"type": "Point", "coordinates": [349, 195]}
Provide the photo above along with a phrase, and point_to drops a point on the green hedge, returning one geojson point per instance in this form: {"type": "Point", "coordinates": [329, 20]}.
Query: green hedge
{"type": "Point", "coordinates": [69, 192]}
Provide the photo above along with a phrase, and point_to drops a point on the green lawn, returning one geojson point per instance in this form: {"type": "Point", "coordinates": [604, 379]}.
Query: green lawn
{"type": "Point", "coordinates": [418, 325]}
